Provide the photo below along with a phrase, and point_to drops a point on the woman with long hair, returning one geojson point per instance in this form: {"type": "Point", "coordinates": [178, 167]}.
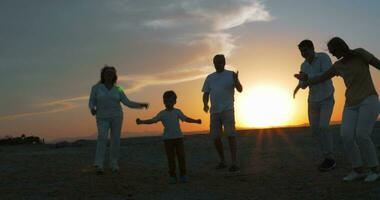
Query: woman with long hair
{"type": "Point", "coordinates": [104, 103]}
{"type": "Point", "coordinates": [361, 106]}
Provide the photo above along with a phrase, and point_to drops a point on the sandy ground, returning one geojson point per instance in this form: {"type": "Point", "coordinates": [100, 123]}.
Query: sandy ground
{"type": "Point", "coordinates": [275, 164]}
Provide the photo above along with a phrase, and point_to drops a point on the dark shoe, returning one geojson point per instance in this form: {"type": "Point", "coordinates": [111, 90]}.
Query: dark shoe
{"type": "Point", "coordinates": [221, 166]}
{"type": "Point", "coordinates": [327, 165]}
{"type": "Point", "coordinates": [115, 170]}
{"type": "Point", "coordinates": [172, 180]}
{"type": "Point", "coordinates": [184, 179]}
{"type": "Point", "coordinates": [234, 168]}
{"type": "Point", "coordinates": [99, 170]}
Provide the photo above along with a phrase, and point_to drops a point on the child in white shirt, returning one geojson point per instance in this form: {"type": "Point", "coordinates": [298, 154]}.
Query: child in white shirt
{"type": "Point", "coordinates": [173, 137]}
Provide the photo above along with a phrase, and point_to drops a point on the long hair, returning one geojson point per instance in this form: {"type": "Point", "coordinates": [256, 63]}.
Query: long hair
{"type": "Point", "coordinates": [337, 43]}
{"type": "Point", "coordinates": [102, 74]}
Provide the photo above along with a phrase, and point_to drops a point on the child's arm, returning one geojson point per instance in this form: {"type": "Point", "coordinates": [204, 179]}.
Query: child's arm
{"type": "Point", "coordinates": [155, 119]}
{"type": "Point", "coordinates": [188, 119]}
{"type": "Point", "coordinates": [191, 120]}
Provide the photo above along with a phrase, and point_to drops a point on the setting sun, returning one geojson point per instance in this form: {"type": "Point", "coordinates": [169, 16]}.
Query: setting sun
{"type": "Point", "coordinates": [264, 106]}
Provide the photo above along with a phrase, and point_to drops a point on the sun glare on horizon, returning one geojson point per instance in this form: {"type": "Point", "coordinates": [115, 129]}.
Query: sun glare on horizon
{"type": "Point", "coordinates": [263, 107]}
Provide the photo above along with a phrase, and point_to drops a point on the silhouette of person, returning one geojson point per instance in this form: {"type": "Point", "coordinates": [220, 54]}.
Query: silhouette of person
{"type": "Point", "coordinates": [219, 87]}
{"type": "Point", "coordinates": [320, 100]}
{"type": "Point", "coordinates": [104, 103]}
{"type": "Point", "coordinates": [361, 106]}
{"type": "Point", "coordinates": [173, 137]}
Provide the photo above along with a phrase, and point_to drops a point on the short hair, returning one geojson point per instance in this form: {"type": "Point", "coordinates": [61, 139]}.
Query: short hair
{"type": "Point", "coordinates": [169, 94]}
{"type": "Point", "coordinates": [219, 56]}
{"type": "Point", "coordinates": [338, 43]}
{"type": "Point", "coordinates": [102, 72]}
{"type": "Point", "coordinates": [306, 43]}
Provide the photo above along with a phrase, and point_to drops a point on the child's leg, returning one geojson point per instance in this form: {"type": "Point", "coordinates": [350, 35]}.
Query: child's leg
{"type": "Point", "coordinates": [101, 144]}
{"type": "Point", "coordinates": [180, 150]}
{"type": "Point", "coordinates": [170, 154]}
{"type": "Point", "coordinates": [116, 126]}
{"type": "Point", "coordinates": [368, 113]}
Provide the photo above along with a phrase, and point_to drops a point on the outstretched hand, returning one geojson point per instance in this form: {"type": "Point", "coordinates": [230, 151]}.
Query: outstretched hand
{"type": "Point", "coordinates": [199, 121]}
{"type": "Point", "coordinates": [138, 121]}
{"type": "Point", "coordinates": [144, 105]}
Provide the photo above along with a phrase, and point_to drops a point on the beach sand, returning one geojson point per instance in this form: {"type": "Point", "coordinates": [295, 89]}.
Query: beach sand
{"type": "Point", "coordinates": [275, 164]}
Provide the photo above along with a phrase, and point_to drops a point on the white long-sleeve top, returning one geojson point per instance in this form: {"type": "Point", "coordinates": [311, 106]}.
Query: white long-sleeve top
{"type": "Point", "coordinates": [320, 64]}
{"type": "Point", "coordinates": [107, 102]}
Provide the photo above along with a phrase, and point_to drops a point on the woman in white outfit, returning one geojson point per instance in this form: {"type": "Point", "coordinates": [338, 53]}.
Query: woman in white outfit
{"type": "Point", "coordinates": [361, 107]}
{"type": "Point", "coordinates": [104, 103]}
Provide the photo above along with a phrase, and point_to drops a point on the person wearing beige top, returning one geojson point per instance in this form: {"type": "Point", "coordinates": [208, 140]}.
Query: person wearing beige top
{"type": "Point", "coordinates": [361, 107]}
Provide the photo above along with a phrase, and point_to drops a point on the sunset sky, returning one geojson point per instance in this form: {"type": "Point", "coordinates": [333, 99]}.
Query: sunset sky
{"type": "Point", "coordinates": [51, 54]}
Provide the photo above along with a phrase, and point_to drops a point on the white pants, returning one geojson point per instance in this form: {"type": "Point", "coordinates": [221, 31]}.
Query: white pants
{"type": "Point", "coordinates": [319, 118]}
{"type": "Point", "coordinates": [106, 125]}
{"type": "Point", "coordinates": [357, 126]}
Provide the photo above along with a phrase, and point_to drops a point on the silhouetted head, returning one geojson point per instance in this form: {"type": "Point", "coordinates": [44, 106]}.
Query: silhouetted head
{"type": "Point", "coordinates": [306, 48]}
{"type": "Point", "coordinates": [108, 75]}
{"type": "Point", "coordinates": [170, 99]}
{"type": "Point", "coordinates": [219, 62]}
{"type": "Point", "coordinates": [338, 47]}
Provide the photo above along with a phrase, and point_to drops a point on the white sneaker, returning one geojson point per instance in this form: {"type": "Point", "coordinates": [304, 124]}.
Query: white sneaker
{"type": "Point", "coordinates": [372, 176]}
{"type": "Point", "coordinates": [353, 176]}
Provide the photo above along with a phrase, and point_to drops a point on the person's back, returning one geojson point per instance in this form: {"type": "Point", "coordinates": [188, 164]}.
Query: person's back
{"type": "Point", "coordinates": [356, 75]}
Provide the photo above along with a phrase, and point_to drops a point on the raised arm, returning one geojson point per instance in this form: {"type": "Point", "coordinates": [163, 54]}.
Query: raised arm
{"type": "Point", "coordinates": [368, 57]}
{"type": "Point", "coordinates": [237, 83]}
{"type": "Point", "coordinates": [375, 62]}
{"type": "Point", "coordinates": [206, 96]}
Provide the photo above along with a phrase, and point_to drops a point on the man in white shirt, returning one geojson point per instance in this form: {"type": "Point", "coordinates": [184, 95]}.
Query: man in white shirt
{"type": "Point", "coordinates": [220, 87]}
{"type": "Point", "coordinates": [320, 100]}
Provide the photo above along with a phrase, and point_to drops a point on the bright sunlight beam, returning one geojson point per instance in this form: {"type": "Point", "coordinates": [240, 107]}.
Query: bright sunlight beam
{"type": "Point", "coordinates": [264, 106]}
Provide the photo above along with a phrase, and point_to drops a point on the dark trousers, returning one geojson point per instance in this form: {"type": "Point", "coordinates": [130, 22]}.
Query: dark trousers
{"type": "Point", "coordinates": [175, 148]}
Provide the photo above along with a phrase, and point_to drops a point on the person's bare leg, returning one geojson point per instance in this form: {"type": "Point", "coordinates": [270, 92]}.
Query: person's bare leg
{"type": "Point", "coordinates": [233, 149]}
{"type": "Point", "coordinates": [219, 148]}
